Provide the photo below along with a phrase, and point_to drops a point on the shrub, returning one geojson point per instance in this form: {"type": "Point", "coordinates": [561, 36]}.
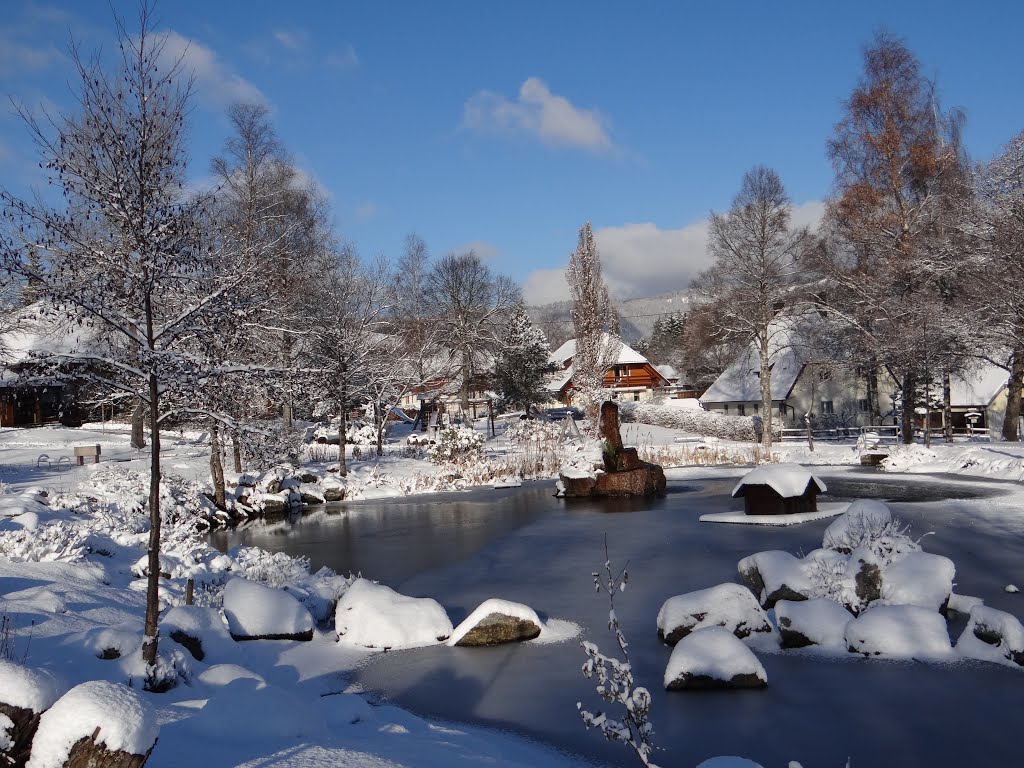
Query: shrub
{"type": "Point", "coordinates": [454, 443]}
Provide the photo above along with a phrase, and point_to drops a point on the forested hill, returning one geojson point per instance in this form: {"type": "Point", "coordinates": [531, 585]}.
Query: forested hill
{"type": "Point", "coordinates": [638, 316]}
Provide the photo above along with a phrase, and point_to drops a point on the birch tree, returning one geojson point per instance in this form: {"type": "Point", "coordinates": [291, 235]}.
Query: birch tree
{"type": "Point", "coordinates": [750, 287]}
{"type": "Point", "coordinates": [124, 255]}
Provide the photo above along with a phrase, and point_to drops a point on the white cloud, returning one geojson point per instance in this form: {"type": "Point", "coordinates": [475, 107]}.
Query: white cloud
{"type": "Point", "coordinates": [17, 58]}
{"type": "Point", "coordinates": [291, 39]}
{"type": "Point", "coordinates": [539, 113]}
{"type": "Point", "coordinates": [367, 210]}
{"type": "Point", "coordinates": [484, 250]}
{"type": "Point", "coordinates": [643, 260]}
{"type": "Point", "coordinates": [216, 83]}
{"type": "Point", "coordinates": [344, 59]}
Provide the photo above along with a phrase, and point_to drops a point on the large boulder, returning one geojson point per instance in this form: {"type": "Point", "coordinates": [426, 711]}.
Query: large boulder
{"type": "Point", "coordinates": [812, 622]}
{"type": "Point", "coordinates": [495, 622]}
{"type": "Point", "coordinates": [775, 575]}
{"type": "Point", "coordinates": [576, 485]}
{"type": "Point", "coordinates": [731, 606]}
{"type": "Point", "coordinates": [375, 616]}
{"type": "Point", "coordinates": [993, 635]}
{"type": "Point", "coordinates": [25, 694]}
{"type": "Point", "coordinates": [256, 612]}
{"type": "Point", "coordinates": [713, 658]}
{"type": "Point", "coordinates": [646, 480]}
{"type": "Point", "coordinates": [333, 488]}
{"type": "Point", "coordinates": [900, 631]}
{"type": "Point", "coordinates": [97, 724]}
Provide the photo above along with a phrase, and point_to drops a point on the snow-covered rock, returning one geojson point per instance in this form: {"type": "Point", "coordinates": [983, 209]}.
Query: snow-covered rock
{"type": "Point", "coordinates": [861, 518]}
{"type": "Point", "coordinates": [731, 606]}
{"type": "Point", "coordinates": [993, 635]}
{"type": "Point", "coordinates": [333, 488]}
{"type": "Point", "coordinates": [919, 578]}
{"type": "Point", "coordinates": [119, 717]}
{"type": "Point", "coordinates": [311, 493]}
{"type": "Point", "coordinates": [27, 688]}
{"type": "Point", "coordinates": [115, 642]}
{"type": "Point", "coordinates": [713, 657]}
{"type": "Point", "coordinates": [220, 675]}
{"type": "Point", "coordinates": [200, 630]}
{"type": "Point", "coordinates": [902, 631]}
{"type": "Point", "coordinates": [497, 621]}
{"type": "Point", "coordinates": [812, 622]}
{"type": "Point", "coordinates": [256, 612]}
{"type": "Point", "coordinates": [375, 616]}
{"type": "Point", "coordinates": [775, 575]}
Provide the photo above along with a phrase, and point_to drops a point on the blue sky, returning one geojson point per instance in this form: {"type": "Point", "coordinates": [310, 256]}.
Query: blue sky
{"type": "Point", "coordinates": [505, 126]}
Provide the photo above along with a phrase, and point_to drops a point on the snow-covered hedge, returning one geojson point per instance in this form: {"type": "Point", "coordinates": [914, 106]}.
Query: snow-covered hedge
{"type": "Point", "coordinates": [692, 420]}
{"type": "Point", "coordinates": [455, 442]}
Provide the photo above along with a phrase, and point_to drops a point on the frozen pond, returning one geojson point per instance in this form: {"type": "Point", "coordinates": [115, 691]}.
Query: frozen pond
{"type": "Point", "coordinates": [541, 551]}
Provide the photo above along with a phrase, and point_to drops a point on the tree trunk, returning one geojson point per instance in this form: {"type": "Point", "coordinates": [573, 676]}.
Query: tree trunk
{"type": "Point", "coordinates": [342, 437]}
{"type": "Point", "coordinates": [236, 452]}
{"type": "Point", "coordinates": [874, 407]}
{"type": "Point", "coordinates": [907, 417]}
{"type": "Point", "coordinates": [1014, 387]}
{"type": "Point", "coordinates": [217, 467]}
{"type": "Point", "coordinates": [947, 408]}
{"type": "Point", "coordinates": [378, 425]}
{"type": "Point", "coordinates": [138, 425]}
{"type": "Point", "coordinates": [150, 642]}
{"type": "Point", "coordinates": [766, 399]}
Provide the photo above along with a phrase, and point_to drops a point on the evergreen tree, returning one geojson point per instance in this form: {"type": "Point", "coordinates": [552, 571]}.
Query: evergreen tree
{"type": "Point", "coordinates": [522, 363]}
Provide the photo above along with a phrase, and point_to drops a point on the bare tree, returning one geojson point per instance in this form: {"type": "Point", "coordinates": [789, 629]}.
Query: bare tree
{"type": "Point", "coordinates": [595, 322]}
{"type": "Point", "coordinates": [883, 251]}
{"type": "Point", "coordinates": [470, 307]}
{"type": "Point", "coordinates": [750, 287]}
{"type": "Point", "coordinates": [124, 255]}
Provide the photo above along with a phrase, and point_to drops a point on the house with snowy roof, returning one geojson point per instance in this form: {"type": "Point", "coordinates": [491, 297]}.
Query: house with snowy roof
{"type": "Point", "coordinates": [630, 377]}
{"type": "Point", "coordinates": [779, 489]}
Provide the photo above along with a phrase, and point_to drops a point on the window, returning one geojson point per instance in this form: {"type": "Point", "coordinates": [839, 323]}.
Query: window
{"type": "Point", "coordinates": [725, 409]}
{"type": "Point", "coordinates": [863, 405]}
{"type": "Point", "coordinates": [756, 406]}
{"type": "Point", "coordinates": [741, 410]}
{"type": "Point", "coordinates": [827, 407]}
{"type": "Point", "coordinates": [636, 397]}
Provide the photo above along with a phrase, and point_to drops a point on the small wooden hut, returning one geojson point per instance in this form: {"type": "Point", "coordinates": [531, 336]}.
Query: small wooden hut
{"type": "Point", "coordinates": [779, 489]}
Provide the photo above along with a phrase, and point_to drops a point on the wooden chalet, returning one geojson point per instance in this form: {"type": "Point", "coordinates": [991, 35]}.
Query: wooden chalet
{"type": "Point", "coordinates": [630, 377]}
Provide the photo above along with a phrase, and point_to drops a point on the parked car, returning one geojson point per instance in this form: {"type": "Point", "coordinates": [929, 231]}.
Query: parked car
{"type": "Point", "coordinates": [559, 414]}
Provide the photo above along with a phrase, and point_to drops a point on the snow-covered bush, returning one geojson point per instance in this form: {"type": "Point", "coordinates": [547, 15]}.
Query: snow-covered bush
{"type": "Point", "coordinates": [693, 420]}
{"type": "Point", "coordinates": [270, 443]}
{"type": "Point", "coordinates": [534, 431]}
{"type": "Point", "coordinates": [456, 443]}
{"type": "Point", "coordinates": [868, 525]}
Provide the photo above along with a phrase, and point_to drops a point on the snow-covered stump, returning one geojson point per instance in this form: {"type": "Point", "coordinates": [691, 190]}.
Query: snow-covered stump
{"type": "Point", "coordinates": [496, 622]}
{"type": "Point", "coordinates": [97, 724]}
{"type": "Point", "coordinates": [256, 612]}
{"type": "Point", "coordinates": [993, 635]}
{"type": "Point", "coordinates": [24, 695]}
{"type": "Point", "coordinates": [713, 658]}
{"type": "Point", "coordinates": [812, 622]}
{"type": "Point", "coordinates": [375, 616]}
{"type": "Point", "coordinates": [731, 606]}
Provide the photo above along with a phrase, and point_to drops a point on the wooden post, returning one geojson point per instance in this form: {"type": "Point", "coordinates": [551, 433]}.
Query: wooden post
{"type": "Point", "coordinates": [189, 587]}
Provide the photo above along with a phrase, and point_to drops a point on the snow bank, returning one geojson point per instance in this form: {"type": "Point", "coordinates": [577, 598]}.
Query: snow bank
{"type": "Point", "coordinates": [787, 480]}
{"type": "Point", "coordinates": [902, 631]}
{"type": "Point", "coordinates": [256, 611]}
{"type": "Point", "coordinates": [713, 654]}
{"type": "Point", "coordinates": [125, 721]}
{"type": "Point", "coordinates": [26, 687]}
{"type": "Point", "coordinates": [375, 616]}
{"type": "Point", "coordinates": [263, 712]}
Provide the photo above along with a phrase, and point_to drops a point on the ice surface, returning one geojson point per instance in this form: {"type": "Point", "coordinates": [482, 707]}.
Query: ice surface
{"type": "Point", "coordinates": [375, 616]}
{"type": "Point", "coordinates": [125, 721]}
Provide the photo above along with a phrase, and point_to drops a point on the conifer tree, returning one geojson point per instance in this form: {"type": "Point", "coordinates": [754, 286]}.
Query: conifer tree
{"type": "Point", "coordinates": [522, 363]}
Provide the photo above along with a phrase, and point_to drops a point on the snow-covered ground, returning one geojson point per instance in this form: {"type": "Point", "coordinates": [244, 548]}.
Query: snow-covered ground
{"type": "Point", "coordinates": [70, 591]}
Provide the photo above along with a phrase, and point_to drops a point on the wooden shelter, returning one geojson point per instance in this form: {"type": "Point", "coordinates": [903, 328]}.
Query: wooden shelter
{"type": "Point", "coordinates": [779, 489]}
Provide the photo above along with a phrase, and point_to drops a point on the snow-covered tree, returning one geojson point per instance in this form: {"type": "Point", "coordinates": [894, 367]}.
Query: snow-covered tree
{"type": "Point", "coordinates": [750, 287]}
{"type": "Point", "coordinates": [997, 289]}
{"type": "Point", "coordinates": [124, 256]}
{"type": "Point", "coordinates": [885, 251]}
{"type": "Point", "coordinates": [594, 319]}
{"type": "Point", "coordinates": [522, 363]}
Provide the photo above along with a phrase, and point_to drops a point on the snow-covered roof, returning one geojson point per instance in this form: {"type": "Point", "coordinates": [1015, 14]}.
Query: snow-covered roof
{"type": "Point", "coordinates": [667, 371]}
{"type": "Point", "coordinates": [741, 381]}
{"type": "Point", "coordinates": [36, 331]}
{"type": "Point", "coordinates": [567, 352]}
{"type": "Point", "coordinates": [787, 480]}
{"type": "Point", "coordinates": [980, 387]}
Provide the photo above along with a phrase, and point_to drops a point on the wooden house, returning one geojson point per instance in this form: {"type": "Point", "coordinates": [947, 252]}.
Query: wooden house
{"type": "Point", "coordinates": [779, 489]}
{"type": "Point", "coordinates": [631, 377]}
